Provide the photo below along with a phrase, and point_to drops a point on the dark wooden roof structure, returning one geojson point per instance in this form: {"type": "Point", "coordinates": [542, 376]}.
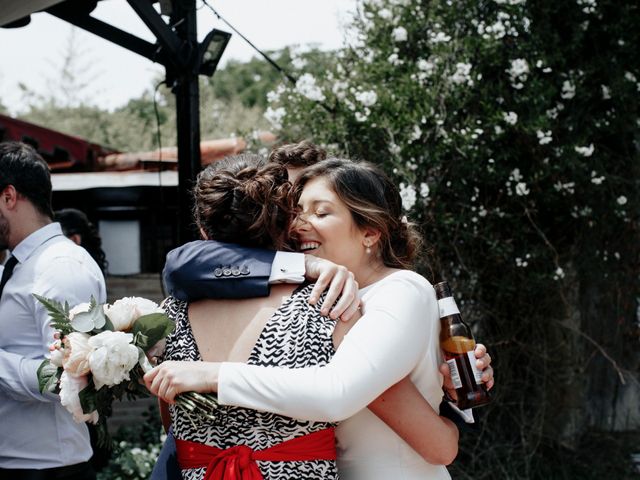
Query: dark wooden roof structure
{"type": "Point", "coordinates": [176, 48]}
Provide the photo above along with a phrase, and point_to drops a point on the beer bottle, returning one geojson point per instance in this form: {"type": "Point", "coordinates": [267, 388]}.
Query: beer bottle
{"type": "Point", "coordinates": [458, 346]}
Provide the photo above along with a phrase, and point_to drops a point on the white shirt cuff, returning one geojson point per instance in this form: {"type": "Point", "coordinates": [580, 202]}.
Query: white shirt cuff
{"type": "Point", "coordinates": [287, 267]}
{"type": "Point", "coordinates": [467, 415]}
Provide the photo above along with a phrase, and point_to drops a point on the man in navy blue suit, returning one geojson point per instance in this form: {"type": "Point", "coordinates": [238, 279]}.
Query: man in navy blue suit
{"type": "Point", "coordinates": [209, 269]}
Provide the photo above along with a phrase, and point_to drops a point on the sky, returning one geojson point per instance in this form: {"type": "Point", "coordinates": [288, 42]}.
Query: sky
{"type": "Point", "coordinates": [33, 54]}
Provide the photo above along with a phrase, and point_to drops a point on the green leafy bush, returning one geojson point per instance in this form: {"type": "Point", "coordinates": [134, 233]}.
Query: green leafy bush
{"type": "Point", "coordinates": [512, 129]}
{"type": "Point", "coordinates": [136, 448]}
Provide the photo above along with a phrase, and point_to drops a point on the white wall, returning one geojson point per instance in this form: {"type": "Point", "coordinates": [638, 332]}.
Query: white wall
{"type": "Point", "coordinates": [121, 244]}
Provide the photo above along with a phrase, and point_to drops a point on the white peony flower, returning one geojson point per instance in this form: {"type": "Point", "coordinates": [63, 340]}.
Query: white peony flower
{"type": "Point", "coordinates": [522, 189]}
{"type": "Point", "coordinates": [307, 87]}
{"type": "Point", "coordinates": [568, 90]}
{"type": "Point", "coordinates": [439, 37]}
{"type": "Point", "coordinates": [516, 176]}
{"type": "Point", "coordinates": [298, 63]}
{"type": "Point", "coordinates": [462, 74]}
{"type": "Point", "coordinates": [510, 117]}
{"type": "Point", "coordinates": [368, 98]}
{"type": "Point", "coordinates": [426, 66]}
{"type": "Point", "coordinates": [518, 71]}
{"type": "Point", "coordinates": [76, 353]}
{"type": "Point", "coordinates": [585, 151]}
{"type": "Point", "coordinates": [361, 117]}
{"type": "Point", "coordinates": [588, 6]}
{"type": "Point", "coordinates": [400, 34]}
{"type": "Point", "coordinates": [408, 196]}
{"type": "Point", "coordinates": [558, 274]}
{"type": "Point", "coordinates": [112, 358]}
{"type": "Point", "coordinates": [393, 59]}
{"type": "Point", "coordinates": [595, 179]}
{"type": "Point", "coordinates": [519, 67]}
{"type": "Point", "coordinates": [416, 133]}
{"type": "Point", "coordinates": [124, 312]}
{"type": "Point", "coordinates": [70, 387]}
{"type": "Point", "coordinates": [544, 137]}
{"type": "Point", "coordinates": [622, 200]}
{"type": "Point", "coordinates": [339, 88]}
{"type": "Point", "coordinates": [385, 14]}
{"type": "Point", "coordinates": [275, 116]}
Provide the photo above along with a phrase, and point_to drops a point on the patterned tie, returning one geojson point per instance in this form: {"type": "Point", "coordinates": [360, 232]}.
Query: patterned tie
{"type": "Point", "coordinates": [6, 273]}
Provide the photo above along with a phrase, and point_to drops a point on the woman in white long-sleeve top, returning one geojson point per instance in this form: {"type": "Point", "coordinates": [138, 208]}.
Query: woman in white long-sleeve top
{"type": "Point", "coordinates": [350, 213]}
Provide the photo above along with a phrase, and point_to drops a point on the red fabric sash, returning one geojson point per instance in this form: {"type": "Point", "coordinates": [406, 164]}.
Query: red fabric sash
{"type": "Point", "coordinates": [239, 462]}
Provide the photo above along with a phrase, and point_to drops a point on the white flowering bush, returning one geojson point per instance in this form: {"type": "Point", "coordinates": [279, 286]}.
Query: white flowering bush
{"type": "Point", "coordinates": [512, 129]}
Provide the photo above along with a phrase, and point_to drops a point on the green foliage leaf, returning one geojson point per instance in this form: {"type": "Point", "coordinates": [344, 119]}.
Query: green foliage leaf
{"type": "Point", "coordinates": [58, 313]}
{"type": "Point", "coordinates": [89, 398]}
{"type": "Point", "coordinates": [48, 377]}
{"type": "Point", "coordinates": [107, 325]}
{"type": "Point", "coordinates": [153, 328]}
{"type": "Point", "coordinates": [94, 319]}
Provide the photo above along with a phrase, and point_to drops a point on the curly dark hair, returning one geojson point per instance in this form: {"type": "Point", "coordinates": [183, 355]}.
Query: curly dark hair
{"type": "Point", "coordinates": [297, 155]}
{"type": "Point", "coordinates": [374, 201]}
{"type": "Point", "coordinates": [242, 199]}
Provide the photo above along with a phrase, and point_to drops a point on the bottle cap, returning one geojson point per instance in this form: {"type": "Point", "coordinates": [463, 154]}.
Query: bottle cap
{"type": "Point", "coordinates": [442, 290]}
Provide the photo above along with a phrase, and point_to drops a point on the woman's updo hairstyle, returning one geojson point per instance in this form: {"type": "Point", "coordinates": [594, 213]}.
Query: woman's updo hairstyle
{"type": "Point", "coordinates": [242, 199]}
{"type": "Point", "coordinates": [374, 202]}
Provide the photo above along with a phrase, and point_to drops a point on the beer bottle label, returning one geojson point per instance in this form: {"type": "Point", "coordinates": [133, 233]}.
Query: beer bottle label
{"type": "Point", "coordinates": [447, 306]}
{"type": "Point", "coordinates": [455, 375]}
{"type": "Point", "coordinates": [472, 361]}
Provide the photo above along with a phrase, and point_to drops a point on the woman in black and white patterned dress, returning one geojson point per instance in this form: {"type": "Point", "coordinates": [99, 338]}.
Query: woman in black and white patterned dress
{"type": "Point", "coordinates": [241, 200]}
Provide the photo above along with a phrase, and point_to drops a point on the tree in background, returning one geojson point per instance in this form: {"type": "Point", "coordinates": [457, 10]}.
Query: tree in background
{"type": "Point", "coordinates": [512, 128]}
{"type": "Point", "coordinates": [232, 102]}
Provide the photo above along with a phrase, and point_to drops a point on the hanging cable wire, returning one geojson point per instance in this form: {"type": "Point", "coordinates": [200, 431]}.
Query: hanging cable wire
{"type": "Point", "coordinates": [272, 62]}
{"type": "Point", "coordinates": [289, 77]}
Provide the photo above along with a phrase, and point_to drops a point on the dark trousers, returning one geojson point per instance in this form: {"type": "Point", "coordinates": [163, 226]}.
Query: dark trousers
{"type": "Point", "coordinates": [79, 471]}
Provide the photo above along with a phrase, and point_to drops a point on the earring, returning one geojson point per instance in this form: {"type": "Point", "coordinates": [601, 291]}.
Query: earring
{"type": "Point", "coordinates": [368, 248]}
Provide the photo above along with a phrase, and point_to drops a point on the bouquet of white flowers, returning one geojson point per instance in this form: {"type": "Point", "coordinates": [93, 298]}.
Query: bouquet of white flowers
{"type": "Point", "coordinates": [100, 354]}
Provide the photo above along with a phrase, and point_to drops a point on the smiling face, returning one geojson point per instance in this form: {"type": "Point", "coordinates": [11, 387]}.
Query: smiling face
{"type": "Point", "coordinates": [325, 228]}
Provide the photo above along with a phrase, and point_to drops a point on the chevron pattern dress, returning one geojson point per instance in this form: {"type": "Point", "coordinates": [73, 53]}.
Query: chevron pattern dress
{"type": "Point", "coordinates": [295, 336]}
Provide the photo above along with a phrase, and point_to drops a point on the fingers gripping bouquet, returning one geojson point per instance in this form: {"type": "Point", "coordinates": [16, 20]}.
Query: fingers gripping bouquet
{"type": "Point", "coordinates": [100, 354]}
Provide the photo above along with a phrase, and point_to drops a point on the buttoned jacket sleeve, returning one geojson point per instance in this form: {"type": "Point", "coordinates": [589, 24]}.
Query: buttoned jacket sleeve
{"type": "Point", "coordinates": [210, 269]}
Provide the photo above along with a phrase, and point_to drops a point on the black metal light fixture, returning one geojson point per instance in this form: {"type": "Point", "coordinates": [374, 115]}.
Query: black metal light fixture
{"type": "Point", "coordinates": [210, 51]}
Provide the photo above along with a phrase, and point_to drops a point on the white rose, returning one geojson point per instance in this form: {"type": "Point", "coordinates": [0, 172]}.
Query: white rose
{"type": "Point", "coordinates": [124, 312]}
{"type": "Point", "coordinates": [112, 358]}
{"type": "Point", "coordinates": [76, 353]}
{"type": "Point", "coordinates": [70, 387]}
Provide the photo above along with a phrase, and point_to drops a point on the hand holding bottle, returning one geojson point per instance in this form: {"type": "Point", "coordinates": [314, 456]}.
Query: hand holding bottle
{"type": "Point", "coordinates": [483, 362]}
{"type": "Point", "coordinates": [458, 346]}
